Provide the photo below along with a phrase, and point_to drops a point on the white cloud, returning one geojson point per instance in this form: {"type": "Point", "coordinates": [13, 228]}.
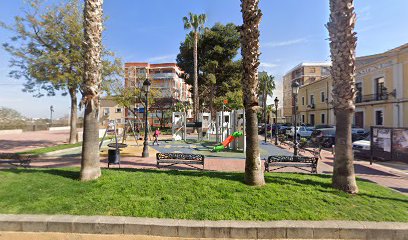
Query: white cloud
{"type": "Point", "coordinates": [171, 57]}
{"type": "Point", "coordinates": [286, 43]}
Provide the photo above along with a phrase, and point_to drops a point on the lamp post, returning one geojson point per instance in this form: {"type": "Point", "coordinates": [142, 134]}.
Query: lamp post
{"type": "Point", "coordinates": [146, 89]}
{"type": "Point", "coordinates": [276, 120]}
{"type": "Point", "coordinates": [51, 111]}
{"type": "Point", "coordinates": [295, 91]}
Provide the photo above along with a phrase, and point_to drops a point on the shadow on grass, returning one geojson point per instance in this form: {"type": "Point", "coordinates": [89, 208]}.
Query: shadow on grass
{"type": "Point", "coordinates": [74, 175]}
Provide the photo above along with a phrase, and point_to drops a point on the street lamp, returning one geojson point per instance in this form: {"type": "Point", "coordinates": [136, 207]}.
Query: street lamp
{"type": "Point", "coordinates": [51, 111]}
{"type": "Point", "coordinates": [146, 89]}
{"type": "Point", "coordinates": [295, 91]}
{"type": "Point", "coordinates": [276, 120]}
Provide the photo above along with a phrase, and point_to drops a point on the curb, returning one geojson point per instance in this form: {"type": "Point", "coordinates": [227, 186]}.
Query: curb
{"type": "Point", "coordinates": [204, 229]}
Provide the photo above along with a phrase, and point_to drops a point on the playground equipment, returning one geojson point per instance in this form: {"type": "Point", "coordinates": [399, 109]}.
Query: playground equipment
{"type": "Point", "coordinates": [179, 128]}
{"type": "Point", "coordinates": [223, 124]}
{"type": "Point", "coordinates": [114, 148]}
{"type": "Point", "coordinates": [207, 125]}
{"type": "Point", "coordinates": [227, 141]}
{"type": "Point", "coordinates": [231, 122]}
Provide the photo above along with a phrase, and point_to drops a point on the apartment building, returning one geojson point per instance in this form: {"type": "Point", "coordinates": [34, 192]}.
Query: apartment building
{"type": "Point", "coordinates": [382, 93]}
{"type": "Point", "coordinates": [304, 74]}
{"type": "Point", "coordinates": [166, 79]}
{"type": "Point", "coordinates": [109, 111]}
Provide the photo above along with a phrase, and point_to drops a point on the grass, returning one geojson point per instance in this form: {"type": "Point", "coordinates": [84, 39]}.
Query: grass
{"type": "Point", "coordinates": [39, 151]}
{"type": "Point", "coordinates": [194, 195]}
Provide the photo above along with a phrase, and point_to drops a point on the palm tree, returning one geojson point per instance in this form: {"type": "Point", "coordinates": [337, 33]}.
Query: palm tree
{"type": "Point", "coordinates": [343, 43]}
{"type": "Point", "coordinates": [196, 23]}
{"type": "Point", "coordinates": [266, 85]}
{"type": "Point", "coordinates": [251, 15]}
{"type": "Point", "coordinates": [90, 164]}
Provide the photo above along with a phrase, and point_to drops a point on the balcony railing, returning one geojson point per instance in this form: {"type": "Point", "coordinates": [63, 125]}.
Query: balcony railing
{"type": "Point", "coordinates": [371, 97]}
{"type": "Point", "coordinates": [164, 75]}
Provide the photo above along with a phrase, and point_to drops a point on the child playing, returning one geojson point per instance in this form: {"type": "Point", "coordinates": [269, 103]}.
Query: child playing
{"type": "Point", "coordinates": [156, 136]}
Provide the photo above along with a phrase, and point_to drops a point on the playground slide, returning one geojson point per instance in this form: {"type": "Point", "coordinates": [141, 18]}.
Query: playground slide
{"type": "Point", "coordinates": [227, 141]}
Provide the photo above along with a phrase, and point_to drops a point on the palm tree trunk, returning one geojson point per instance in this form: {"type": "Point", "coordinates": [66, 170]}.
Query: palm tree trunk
{"type": "Point", "coordinates": [251, 15]}
{"type": "Point", "coordinates": [90, 164]}
{"type": "Point", "coordinates": [343, 42]}
{"type": "Point", "coordinates": [196, 99]}
{"type": "Point", "coordinates": [73, 116]}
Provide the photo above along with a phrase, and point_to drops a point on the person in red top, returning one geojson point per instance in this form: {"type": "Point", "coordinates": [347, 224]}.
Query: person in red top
{"type": "Point", "coordinates": [156, 136]}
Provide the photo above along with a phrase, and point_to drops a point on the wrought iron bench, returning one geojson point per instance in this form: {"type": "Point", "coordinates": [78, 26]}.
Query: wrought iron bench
{"type": "Point", "coordinates": [299, 162]}
{"type": "Point", "coordinates": [171, 159]}
{"type": "Point", "coordinates": [16, 159]}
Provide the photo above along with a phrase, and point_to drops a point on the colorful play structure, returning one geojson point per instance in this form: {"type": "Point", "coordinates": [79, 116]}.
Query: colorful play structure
{"type": "Point", "coordinates": [226, 122]}
{"type": "Point", "coordinates": [227, 141]}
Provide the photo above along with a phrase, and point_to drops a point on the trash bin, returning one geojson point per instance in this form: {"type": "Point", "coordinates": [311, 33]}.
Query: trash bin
{"type": "Point", "coordinates": [113, 156]}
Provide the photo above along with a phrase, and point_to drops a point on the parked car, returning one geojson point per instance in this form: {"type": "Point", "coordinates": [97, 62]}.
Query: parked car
{"type": "Point", "coordinates": [283, 128]}
{"type": "Point", "coordinates": [323, 126]}
{"type": "Point", "coordinates": [261, 128]}
{"type": "Point", "coordinates": [301, 131]}
{"type": "Point", "coordinates": [359, 134]}
{"type": "Point", "coordinates": [362, 147]}
{"type": "Point", "coordinates": [326, 137]}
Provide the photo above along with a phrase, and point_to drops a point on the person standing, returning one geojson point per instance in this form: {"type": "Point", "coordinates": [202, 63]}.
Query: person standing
{"type": "Point", "coordinates": [156, 136]}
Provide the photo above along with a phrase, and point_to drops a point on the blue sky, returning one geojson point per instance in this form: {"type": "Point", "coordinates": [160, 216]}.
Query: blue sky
{"type": "Point", "coordinates": [292, 31]}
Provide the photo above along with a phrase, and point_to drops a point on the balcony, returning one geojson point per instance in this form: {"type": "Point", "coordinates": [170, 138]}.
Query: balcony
{"type": "Point", "coordinates": [371, 98]}
{"type": "Point", "coordinates": [164, 75]}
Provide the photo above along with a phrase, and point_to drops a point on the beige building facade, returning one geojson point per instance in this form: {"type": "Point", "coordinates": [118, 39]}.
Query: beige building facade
{"type": "Point", "coordinates": [304, 74]}
{"type": "Point", "coordinates": [381, 99]}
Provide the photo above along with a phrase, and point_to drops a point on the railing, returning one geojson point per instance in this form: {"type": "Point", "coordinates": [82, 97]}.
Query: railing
{"type": "Point", "coordinates": [164, 75]}
{"type": "Point", "coordinates": [371, 97]}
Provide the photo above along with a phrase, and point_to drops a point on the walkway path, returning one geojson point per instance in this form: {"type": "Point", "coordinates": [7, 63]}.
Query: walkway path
{"type": "Point", "coordinates": [378, 173]}
{"type": "Point", "coordinates": [12, 143]}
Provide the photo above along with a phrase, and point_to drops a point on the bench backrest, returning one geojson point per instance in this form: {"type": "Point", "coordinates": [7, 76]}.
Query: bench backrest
{"type": "Point", "coordinates": [301, 159]}
{"type": "Point", "coordinates": [180, 156]}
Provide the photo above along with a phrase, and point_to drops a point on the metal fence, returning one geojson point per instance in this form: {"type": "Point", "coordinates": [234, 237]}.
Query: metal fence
{"type": "Point", "coordinates": [389, 144]}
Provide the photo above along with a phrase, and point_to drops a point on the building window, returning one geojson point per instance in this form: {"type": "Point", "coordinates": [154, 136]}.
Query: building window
{"type": "Point", "coordinates": [303, 101]}
{"type": "Point", "coordinates": [303, 118]}
{"type": "Point", "coordinates": [312, 119]}
{"type": "Point", "coordinates": [312, 79]}
{"type": "Point", "coordinates": [379, 118]}
{"type": "Point", "coordinates": [322, 97]}
{"type": "Point", "coordinates": [359, 92]}
{"type": "Point", "coordinates": [118, 110]}
{"type": "Point", "coordinates": [312, 99]}
{"type": "Point", "coordinates": [323, 118]}
{"type": "Point", "coordinates": [119, 120]}
{"type": "Point", "coordinates": [380, 90]}
{"type": "Point", "coordinates": [312, 70]}
{"type": "Point", "coordinates": [106, 111]}
{"type": "Point", "coordinates": [156, 121]}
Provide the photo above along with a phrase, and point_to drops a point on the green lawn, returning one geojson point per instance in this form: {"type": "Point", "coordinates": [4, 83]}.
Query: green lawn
{"type": "Point", "coordinates": [194, 195]}
{"type": "Point", "coordinates": [39, 151]}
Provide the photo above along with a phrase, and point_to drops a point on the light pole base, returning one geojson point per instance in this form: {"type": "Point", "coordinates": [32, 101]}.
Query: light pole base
{"type": "Point", "coordinates": [145, 152]}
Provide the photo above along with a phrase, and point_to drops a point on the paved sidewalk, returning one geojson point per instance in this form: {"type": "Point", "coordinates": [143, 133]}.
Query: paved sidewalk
{"type": "Point", "coordinates": [382, 175]}
{"type": "Point", "coordinates": [12, 143]}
